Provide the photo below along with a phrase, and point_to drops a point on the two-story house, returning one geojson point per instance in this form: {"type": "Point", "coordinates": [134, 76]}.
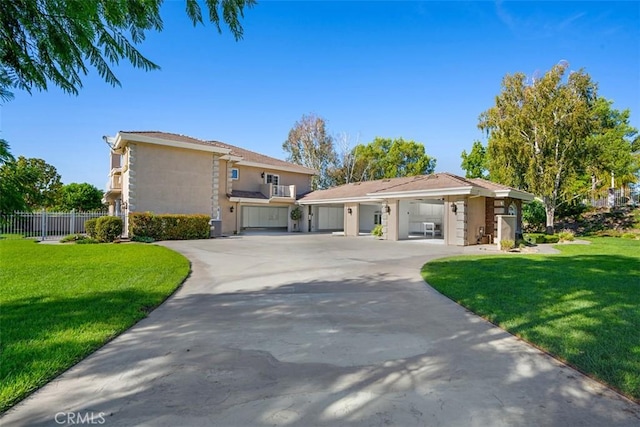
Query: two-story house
{"type": "Point", "coordinates": [169, 173]}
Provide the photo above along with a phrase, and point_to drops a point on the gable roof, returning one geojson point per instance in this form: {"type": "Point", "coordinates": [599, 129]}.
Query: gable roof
{"type": "Point", "coordinates": [433, 185]}
{"type": "Point", "coordinates": [240, 155]}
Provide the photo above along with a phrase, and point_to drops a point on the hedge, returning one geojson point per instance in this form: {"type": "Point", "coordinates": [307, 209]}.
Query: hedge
{"type": "Point", "coordinates": [168, 226]}
{"type": "Point", "coordinates": [108, 228]}
{"type": "Point", "coordinates": [90, 227]}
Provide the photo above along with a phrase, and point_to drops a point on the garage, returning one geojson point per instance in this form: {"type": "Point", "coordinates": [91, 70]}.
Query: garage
{"type": "Point", "coordinates": [265, 217]}
{"type": "Point", "coordinates": [330, 218]}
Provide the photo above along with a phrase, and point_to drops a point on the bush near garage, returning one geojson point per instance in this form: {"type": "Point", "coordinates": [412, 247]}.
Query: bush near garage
{"type": "Point", "coordinates": [168, 226]}
{"type": "Point", "coordinates": [108, 228]}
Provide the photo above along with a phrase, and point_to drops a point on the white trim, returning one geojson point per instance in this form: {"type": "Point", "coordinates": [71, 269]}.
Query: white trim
{"type": "Point", "coordinates": [514, 194]}
{"type": "Point", "coordinates": [294, 169]}
{"type": "Point", "coordinates": [231, 158]}
{"type": "Point", "coordinates": [248, 200]}
{"type": "Point", "coordinates": [121, 138]}
{"type": "Point", "coordinates": [339, 201]}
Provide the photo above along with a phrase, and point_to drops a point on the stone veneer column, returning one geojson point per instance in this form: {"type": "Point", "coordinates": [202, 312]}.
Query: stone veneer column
{"type": "Point", "coordinates": [462, 238]}
{"type": "Point", "coordinates": [131, 192]}
{"type": "Point", "coordinates": [229, 179]}
{"type": "Point", "coordinates": [215, 182]}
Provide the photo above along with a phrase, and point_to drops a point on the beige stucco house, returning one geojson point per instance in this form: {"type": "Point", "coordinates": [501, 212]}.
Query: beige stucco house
{"type": "Point", "coordinates": [456, 210]}
{"type": "Point", "coordinates": [169, 173]}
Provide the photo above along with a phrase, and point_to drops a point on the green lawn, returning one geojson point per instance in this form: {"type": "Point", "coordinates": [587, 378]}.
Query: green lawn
{"type": "Point", "coordinates": [583, 306]}
{"type": "Point", "coordinates": [59, 303]}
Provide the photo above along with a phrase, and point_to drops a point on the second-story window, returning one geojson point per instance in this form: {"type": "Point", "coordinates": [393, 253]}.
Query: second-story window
{"type": "Point", "coordinates": [272, 179]}
{"type": "Point", "coordinates": [235, 174]}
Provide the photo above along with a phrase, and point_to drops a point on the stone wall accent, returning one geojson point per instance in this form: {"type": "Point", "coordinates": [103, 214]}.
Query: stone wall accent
{"type": "Point", "coordinates": [131, 173]}
{"type": "Point", "coordinates": [215, 182]}
{"type": "Point", "coordinates": [461, 223]}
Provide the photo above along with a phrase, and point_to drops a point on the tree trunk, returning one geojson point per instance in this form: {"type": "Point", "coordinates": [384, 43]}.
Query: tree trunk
{"type": "Point", "coordinates": [550, 210]}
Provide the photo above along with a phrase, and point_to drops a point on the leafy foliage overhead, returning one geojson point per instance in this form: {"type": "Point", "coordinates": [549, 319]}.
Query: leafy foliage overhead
{"type": "Point", "coordinates": [44, 41]}
{"type": "Point", "coordinates": [81, 197]}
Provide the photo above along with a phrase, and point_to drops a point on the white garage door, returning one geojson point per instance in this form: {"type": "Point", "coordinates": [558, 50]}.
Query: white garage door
{"type": "Point", "coordinates": [330, 218]}
{"type": "Point", "coordinates": [264, 217]}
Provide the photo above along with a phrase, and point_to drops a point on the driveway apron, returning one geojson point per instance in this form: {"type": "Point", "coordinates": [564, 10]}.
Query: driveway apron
{"type": "Point", "coordinates": [318, 330]}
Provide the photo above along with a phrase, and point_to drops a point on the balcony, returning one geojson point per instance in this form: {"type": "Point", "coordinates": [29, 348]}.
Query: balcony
{"type": "Point", "coordinates": [114, 185]}
{"type": "Point", "coordinates": [279, 191]}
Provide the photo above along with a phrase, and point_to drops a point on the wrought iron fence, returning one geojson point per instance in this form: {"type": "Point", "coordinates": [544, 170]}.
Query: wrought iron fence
{"type": "Point", "coordinates": [46, 225]}
{"type": "Point", "coordinates": [617, 198]}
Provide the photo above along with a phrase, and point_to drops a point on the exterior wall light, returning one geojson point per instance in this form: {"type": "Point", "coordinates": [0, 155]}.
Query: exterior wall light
{"type": "Point", "coordinates": [349, 211]}
{"type": "Point", "coordinates": [231, 209]}
{"type": "Point", "coordinates": [387, 209]}
{"type": "Point", "coordinates": [262, 175]}
{"type": "Point", "coordinates": [454, 208]}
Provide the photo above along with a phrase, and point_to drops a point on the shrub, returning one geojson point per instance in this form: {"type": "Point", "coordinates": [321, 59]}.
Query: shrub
{"type": "Point", "coordinates": [86, 241]}
{"type": "Point", "coordinates": [71, 238]}
{"type": "Point", "coordinates": [78, 238]}
{"type": "Point", "coordinates": [142, 239]}
{"type": "Point", "coordinates": [377, 231]}
{"type": "Point", "coordinates": [539, 238]}
{"type": "Point", "coordinates": [296, 213]}
{"type": "Point", "coordinates": [566, 236]}
{"type": "Point", "coordinates": [507, 245]}
{"type": "Point", "coordinates": [630, 236]}
{"type": "Point", "coordinates": [168, 227]}
{"type": "Point", "coordinates": [90, 227]}
{"type": "Point", "coordinates": [534, 216]}
{"type": "Point", "coordinates": [108, 228]}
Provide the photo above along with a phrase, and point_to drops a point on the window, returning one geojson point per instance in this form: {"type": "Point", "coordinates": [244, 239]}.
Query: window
{"type": "Point", "coordinates": [272, 179]}
{"type": "Point", "coordinates": [235, 173]}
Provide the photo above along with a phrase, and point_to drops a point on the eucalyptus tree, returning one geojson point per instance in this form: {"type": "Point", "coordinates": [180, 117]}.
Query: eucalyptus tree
{"type": "Point", "coordinates": [309, 144]}
{"type": "Point", "coordinates": [538, 130]}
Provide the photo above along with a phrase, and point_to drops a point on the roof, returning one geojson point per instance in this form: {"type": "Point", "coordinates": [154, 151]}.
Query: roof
{"type": "Point", "coordinates": [244, 157]}
{"type": "Point", "coordinates": [247, 194]}
{"type": "Point", "coordinates": [433, 185]}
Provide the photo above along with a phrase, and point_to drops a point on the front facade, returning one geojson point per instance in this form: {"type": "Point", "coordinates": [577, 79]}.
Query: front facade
{"type": "Point", "coordinates": [167, 173]}
{"type": "Point", "coordinates": [458, 211]}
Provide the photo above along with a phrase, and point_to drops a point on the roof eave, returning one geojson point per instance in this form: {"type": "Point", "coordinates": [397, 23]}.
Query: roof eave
{"type": "Point", "coordinates": [122, 138]}
{"type": "Point", "coordinates": [299, 169]}
{"type": "Point", "coordinates": [514, 194]}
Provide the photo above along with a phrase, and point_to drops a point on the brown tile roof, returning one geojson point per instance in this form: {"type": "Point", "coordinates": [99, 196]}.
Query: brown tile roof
{"type": "Point", "coordinates": [433, 182]}
{"type": "Point", "coordinates": [248, 194]}
{"type": "Point", "coordinates": [247, 155]}
{"type": "Point", "coordinates": [353, 190]}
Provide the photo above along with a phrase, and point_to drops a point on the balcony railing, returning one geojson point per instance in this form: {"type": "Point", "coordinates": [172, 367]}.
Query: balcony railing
{"type": "Point", "coordinates": [272, 190]}
{"type": "Point", "coordinates": [114, 183]}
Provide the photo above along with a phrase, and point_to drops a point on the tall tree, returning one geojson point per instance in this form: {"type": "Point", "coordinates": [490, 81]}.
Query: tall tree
{"type": "Point", "coordinates": [612, 151]}
{"type": "Point", "coordinates": [390, 158]}
{"type": "Point", "coordinates": [39, 181]}
{"type": "Point", "coordinates": [12, 182]}
{"type": "Point", "coordinates": [81, 197]}
{"type": "Point", "coordinates": [476, 163]}
{"type": "Point", "coordinates": [309, 144]}
{"type": "Point", "coordinates": [537, 132]}
{"type": "Point", "coordinates": [44, 41]}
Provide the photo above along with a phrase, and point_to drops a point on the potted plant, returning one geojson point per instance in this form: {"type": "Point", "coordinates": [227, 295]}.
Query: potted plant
{"type": "Point", "coordinates": [296, 214]}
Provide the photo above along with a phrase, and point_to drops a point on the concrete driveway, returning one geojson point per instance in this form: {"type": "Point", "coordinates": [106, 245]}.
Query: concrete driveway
{"type": "Point", "coordinates": [318, 330]}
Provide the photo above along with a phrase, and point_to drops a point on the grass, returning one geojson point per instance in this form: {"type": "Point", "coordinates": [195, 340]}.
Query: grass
{"type": "Point", "coordinates": [62, 302]}
{"type": "Point", "coordinates": [582, 306]}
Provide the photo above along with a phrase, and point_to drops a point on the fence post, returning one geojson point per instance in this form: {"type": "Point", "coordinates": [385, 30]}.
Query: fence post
{"type": "Point", "coordinates": [43, 224]}
{"type": "Point", "coordinates": [72, 228]}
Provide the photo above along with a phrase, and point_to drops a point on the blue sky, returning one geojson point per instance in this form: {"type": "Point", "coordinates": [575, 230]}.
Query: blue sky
{"type": "Point", "coordinates": [417, 70]}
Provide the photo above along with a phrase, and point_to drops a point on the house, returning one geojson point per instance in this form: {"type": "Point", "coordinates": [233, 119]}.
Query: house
{"type": "Point", "coordinates": [458, 211]}
{"type": "Point", "coordinates": [169, 173]}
